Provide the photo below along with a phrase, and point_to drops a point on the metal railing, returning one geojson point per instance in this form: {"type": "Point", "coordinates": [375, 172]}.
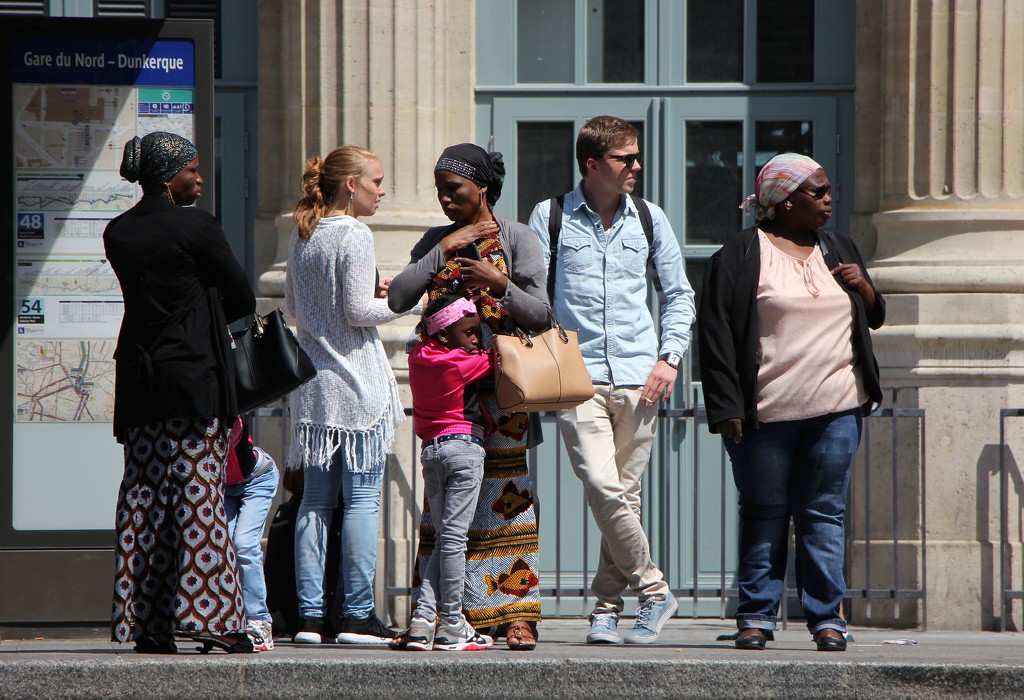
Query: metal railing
{"type": "Point", "coordinates": [682, 549]}
{"type": "Point", "coordinates": [1007, 593]}
{"type": "Point", "coordinates": [687, 490]}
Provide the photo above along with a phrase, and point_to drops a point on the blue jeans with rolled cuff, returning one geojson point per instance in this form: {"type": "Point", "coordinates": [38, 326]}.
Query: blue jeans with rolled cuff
{"type": "Point", "coordinates": [796, 469]}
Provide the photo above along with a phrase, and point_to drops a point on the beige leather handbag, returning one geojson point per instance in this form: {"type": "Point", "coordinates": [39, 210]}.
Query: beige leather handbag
{"type": "Point", "coordinates": [540, 373]}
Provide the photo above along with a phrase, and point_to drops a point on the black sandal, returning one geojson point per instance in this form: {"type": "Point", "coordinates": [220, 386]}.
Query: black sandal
{"type": "Point", "coordinates": [159, 644]}
{"type": "Point", "coordinates": [230, 643]}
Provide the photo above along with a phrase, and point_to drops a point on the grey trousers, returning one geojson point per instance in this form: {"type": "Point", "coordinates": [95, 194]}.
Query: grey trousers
{"type": "Point", "coordinates": [452, 473]}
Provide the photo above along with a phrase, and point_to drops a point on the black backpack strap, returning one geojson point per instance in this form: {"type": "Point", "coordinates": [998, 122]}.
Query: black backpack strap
{"type": "Point", "coordinates": [554, 228]}
{"type": "Point", "coordinates": [647, 222]}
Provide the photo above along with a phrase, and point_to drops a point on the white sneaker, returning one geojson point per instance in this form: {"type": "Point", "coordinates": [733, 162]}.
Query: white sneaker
{"type": "Point", "coordinates": [460, 637]}
{"type": "Point", "coordinates": [262, 634]}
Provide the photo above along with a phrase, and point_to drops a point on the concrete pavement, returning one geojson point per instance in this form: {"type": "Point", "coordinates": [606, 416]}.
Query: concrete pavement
{"type": "Point", "coordinates": [687, 662]}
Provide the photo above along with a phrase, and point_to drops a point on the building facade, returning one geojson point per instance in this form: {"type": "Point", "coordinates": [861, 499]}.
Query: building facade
{"type": "Point", "coordinates": [915, 108]}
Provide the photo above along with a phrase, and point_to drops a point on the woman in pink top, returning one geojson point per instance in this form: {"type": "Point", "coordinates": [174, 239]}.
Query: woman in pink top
{"type": "Point", "coordinates": [788, 371]}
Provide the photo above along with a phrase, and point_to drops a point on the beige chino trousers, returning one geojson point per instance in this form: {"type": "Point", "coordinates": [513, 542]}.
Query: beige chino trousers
{"type": "Point", "coordinates": [609, 440]}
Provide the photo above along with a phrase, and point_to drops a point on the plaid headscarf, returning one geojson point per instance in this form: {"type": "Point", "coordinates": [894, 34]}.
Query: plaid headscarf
{"type": "Point", "coordinates": [156, 158]}
{"type": "Point", "coordinates": [778, 179]}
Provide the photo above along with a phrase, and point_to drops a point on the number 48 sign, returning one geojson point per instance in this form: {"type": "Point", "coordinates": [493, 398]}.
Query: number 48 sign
{"type": "Point", "coordinates": [30, 227]}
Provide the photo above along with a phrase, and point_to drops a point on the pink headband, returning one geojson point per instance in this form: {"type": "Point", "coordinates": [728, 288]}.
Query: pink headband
{"type": "Point", "coordinates": [778, 179]}
{"type": "Point", "coordinates": [456, 311]}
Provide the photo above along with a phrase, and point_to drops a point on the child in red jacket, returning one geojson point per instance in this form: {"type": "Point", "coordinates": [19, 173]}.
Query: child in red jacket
{"type": "Point", "coordinates": [449, 417]}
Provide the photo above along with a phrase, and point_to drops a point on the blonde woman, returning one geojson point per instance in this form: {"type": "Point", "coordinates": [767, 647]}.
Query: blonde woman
{"type": "Point", "coordinates": [343, 422]}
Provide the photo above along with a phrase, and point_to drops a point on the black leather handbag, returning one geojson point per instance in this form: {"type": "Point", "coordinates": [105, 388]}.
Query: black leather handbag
{"type": "Point", "coordinates": [269, 363]}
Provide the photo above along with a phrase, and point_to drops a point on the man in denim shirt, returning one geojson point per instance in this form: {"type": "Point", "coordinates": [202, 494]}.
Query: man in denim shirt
{"type": "Point", "coordinates": [600, 288]}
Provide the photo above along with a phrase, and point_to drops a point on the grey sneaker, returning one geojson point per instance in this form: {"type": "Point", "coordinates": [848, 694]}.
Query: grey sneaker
{"type": "Point", "coordinates": [460, 637]}
{"type": "Point", "coordinates": [604, 629]}
{"type": "Point", "coordinates": [651, 616]}
{"type": "Point", "coordinates": [262, 634]}
{"type": "Point", "coordinates": [420, 635]}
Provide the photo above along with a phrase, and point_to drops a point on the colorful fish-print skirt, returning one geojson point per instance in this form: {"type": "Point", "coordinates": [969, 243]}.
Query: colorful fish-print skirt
{"type": "Point", "coordinates": [502, 560]}
{"type": "Point", "coordinates": [175, 566]}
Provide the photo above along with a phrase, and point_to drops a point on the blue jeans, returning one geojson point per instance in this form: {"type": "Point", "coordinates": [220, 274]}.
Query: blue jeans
{"type": "Point", "coordinates": [247, 505]}
{"type": "Point", "coordinates": [360, 492]}
{"type": "Point", "coordinates": [452, 472]}
{"type": "Point", "coordinates": [796, 469]}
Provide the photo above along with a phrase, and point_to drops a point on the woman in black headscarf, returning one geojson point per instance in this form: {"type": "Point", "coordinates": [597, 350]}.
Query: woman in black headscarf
{"type": "Point", "coordinates": [173, 404]}
{"type": "Point", "coordinates": [482, 254]}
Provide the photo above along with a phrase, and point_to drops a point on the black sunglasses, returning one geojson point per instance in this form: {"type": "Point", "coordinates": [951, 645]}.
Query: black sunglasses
{"type": "Point", "coordinates": [817, 192]}
{"type": "Point", "coordinates": [628, 158]}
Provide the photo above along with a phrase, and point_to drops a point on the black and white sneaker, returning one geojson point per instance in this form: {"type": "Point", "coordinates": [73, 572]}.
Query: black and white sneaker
{"type": "Point", "coordinates": [311, 632]}
{"type": "Point", "coordinates": [369, 630]}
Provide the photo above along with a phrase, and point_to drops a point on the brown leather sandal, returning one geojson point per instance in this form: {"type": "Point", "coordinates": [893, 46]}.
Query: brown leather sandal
{"type": "Point", "coordinates": [519, 636]}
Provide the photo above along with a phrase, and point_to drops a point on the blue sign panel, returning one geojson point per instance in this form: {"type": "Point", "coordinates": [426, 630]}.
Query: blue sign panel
{"type": "Point", "coordinates": [94, 61]}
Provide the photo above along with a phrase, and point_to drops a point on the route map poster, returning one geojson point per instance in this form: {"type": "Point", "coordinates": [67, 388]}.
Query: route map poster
{"type": "Point", "coordinates": [76, 101]}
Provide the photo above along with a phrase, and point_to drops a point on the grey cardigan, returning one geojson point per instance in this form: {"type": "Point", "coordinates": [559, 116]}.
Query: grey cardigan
{"type": "Point", "coordinates": [525, 296]}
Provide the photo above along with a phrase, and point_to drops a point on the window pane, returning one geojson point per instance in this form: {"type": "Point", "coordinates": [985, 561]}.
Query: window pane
{"type": "Point", "coordinates": [545, 163]}
{"type": "Point", "coordinates": [545, 45]}
{"type": "Point", "coordinates": [638, 188]}
{"type": "Point", "coordinates": [615, 41]}
{"type": "Point", "coordinates": [695, 275]}
{"type": "Point", "coordinates": [785, 41]}
{"type": "Point", "coordinates": [714, 181]}
{"type": "Point", "coordinates": [714, 42]}
{"type": "Point", "coordinates": [773, 138]}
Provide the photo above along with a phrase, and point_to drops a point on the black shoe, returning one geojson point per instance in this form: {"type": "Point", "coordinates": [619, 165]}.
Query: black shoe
{"type": "Point", "coordinates": [834, 641]}
{"type": "Point", "coordinates": [311, 632]}
{"type": "Point", "coordinates": [231, 643]}
{"type": "Point", "coordinates": [755, 640]}
{"type": "Point", "coordinates": [368, 630]}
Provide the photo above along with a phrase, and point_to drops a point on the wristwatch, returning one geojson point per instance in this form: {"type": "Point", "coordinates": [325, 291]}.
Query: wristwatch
{"type": "Point", "coordinates": [672, 359]}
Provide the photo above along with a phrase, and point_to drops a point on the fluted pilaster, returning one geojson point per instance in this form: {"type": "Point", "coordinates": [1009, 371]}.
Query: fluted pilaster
{"type": "Point", "coordinates": [941, 197]}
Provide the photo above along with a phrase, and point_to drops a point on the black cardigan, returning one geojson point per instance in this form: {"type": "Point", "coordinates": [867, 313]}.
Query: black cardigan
{"type": "Point", "coordinates": [727, 325]}
{"type": "Point", "coordinates": [174, 265]}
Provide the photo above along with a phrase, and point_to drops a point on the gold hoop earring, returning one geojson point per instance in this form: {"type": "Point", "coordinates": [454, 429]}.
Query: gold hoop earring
{"type": "Point", "coordinates": [170, 195]}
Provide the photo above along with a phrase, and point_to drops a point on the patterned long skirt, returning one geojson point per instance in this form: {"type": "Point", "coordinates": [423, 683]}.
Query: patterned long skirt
{"type": "Point", "coordinates": [175, 565]}
{"type": "Point", "coordinates": [502, 558]}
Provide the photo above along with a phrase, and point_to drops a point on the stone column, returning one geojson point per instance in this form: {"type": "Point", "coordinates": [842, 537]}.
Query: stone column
{"type": "Point", "coordinates": [940, 197]}
{"type": "Point", "coordinates": [395, 76]}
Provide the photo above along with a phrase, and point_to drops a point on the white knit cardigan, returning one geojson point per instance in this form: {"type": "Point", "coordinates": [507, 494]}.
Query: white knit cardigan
{"type": "Point", "coordinates": [352, 404]}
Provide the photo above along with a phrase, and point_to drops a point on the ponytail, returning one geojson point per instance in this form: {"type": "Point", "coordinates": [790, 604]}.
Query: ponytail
{"type": "Point", "coordinates": [322, 182]}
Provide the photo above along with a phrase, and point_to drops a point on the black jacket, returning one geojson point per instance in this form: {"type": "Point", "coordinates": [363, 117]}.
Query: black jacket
{"type": "Point", "coordinates": [727, 325]}
{"type": "Point", "coordinates": [180, 280]}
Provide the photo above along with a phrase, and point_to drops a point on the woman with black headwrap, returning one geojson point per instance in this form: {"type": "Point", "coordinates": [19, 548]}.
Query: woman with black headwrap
{"type": "Point", "coordinates": [499, 261]}
{"type": "Point", "coordinates": [173, 404]}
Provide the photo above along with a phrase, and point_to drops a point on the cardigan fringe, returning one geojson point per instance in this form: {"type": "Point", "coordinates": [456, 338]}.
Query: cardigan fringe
{"type": "Point", "coordinates": [313, 445]}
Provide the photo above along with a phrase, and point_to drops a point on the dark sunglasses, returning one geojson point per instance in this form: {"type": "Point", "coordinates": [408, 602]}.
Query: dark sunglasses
{"type": "Point", "coordinates": [628, 158]}
{"type": "Point", "coordinates": [817, 192]}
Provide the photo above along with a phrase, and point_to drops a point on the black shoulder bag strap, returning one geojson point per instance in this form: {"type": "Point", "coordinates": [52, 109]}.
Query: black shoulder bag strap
{"type": "Point", "coordinates": [830, 250]}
